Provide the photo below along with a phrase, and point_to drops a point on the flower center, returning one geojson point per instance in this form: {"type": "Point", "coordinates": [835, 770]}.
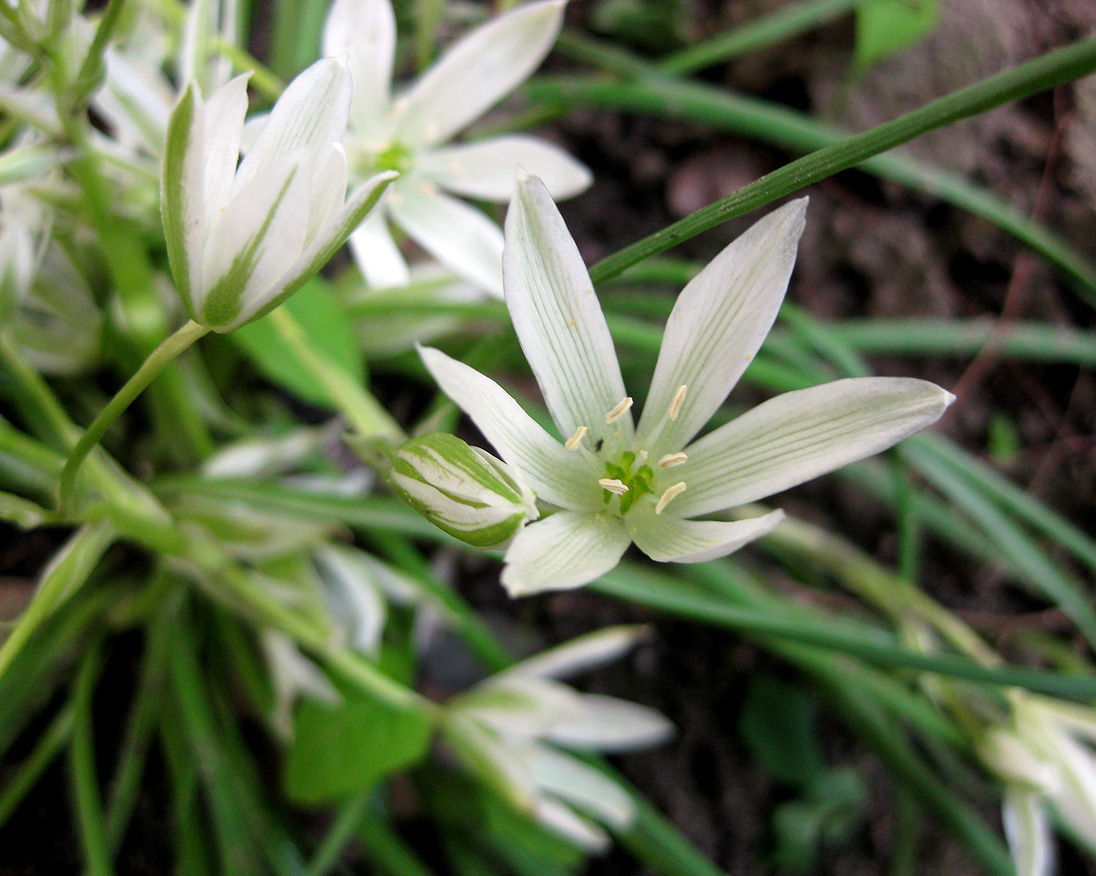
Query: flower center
{"type": "Point", "coordinates": [629, 477]}
{"type": "Point", "coordinates": [395, 156]}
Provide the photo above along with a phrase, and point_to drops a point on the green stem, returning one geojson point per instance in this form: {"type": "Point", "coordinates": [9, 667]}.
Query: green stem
{"type": "Point", "coordinates": [49, 745]}
{"type": "Point", "coordinates": [89, 808]}
{"type": "Point", "coordinates": [338, 835]}
{"type": "Point", "coordinates": [787, 22]}
{"type": "Point", "coordinates": [169, 350]}
{"type": "Point", "coordinates": [1041, 73]}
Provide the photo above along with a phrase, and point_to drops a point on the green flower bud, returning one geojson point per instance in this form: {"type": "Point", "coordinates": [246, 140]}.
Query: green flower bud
{"type": "Point", "coordinates": [462, 490]}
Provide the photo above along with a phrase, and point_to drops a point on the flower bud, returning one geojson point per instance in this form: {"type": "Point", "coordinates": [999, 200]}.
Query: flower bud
{"type": "Point", "coordinates": [462, 490]}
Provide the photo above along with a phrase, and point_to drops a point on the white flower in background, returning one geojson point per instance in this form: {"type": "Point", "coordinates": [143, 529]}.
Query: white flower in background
{"type": "Point", "coordinates": [619, 482]}
{"type": "Point", "coordinates": [409, 134]}
{"type": "Point", "coordinates": [512, 728]}
{"type": "Point", "coordinates": [1045, 757]}
{"type": "Point", "coordinates": [242, 239]}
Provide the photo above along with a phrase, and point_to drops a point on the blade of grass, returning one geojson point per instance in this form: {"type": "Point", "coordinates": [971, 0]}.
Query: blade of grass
{"type": "Point", "coordinates": [783, 24]}
{"type": "Point", "coordinates": [45, 751]}
{"type": "Point", "coordinates": [85, 781]}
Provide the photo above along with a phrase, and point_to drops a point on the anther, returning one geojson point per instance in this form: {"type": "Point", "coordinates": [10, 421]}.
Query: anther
{"type": "Point", "coordinates": [667, 497]}
{"type": "Point", "coordinates": [672, 459]}
{"type": "Point", "coordinates": [676, 401]}
{"type": "Point", "coordinates": [575, 440]}
{"type": "Point", "coordinates": [615, 486]}
{"type": "Point", "coordinates": [619, 411]}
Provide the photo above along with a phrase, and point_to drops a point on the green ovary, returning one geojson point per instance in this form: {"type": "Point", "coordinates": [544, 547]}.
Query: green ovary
{"type": "Point", "coordinates": [637, 479]}
{"type": "Point", "coordinates": [395, 157]}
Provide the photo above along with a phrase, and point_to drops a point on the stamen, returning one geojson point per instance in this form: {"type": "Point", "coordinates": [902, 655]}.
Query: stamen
{"type": "Point", "coordinates": [667, 497]}
{"type": "Point", "coordinates": [672, 459]}
{"type": "Point", "coordinates": [619, 411]}
{"type": "Point", "coordinates": [615, 486]}
{"type": "Point", "coordinates": [576, 439]}
{"type": "Point", "coordinates": [675, 402]}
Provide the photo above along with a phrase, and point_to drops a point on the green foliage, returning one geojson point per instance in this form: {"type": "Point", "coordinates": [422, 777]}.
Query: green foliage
{"type": "Point", "coordinates": [340, 750]}
{"type": "Point", "coordinates": [886, 27]}
{"type": "Point", "coordinates": [327, 330]}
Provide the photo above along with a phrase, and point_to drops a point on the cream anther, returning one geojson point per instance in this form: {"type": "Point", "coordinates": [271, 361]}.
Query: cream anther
{"type": "Point", "coordinates": [667, 497]}
{"type": "Point", "coordinates": [576, 439]}
{"type": "Point", "coordinates": [675, 402]}
{"type": "Point", "coordinates": [672, 459]}
{"type": "Point", "coordinates": [619, 411]}
{"type": "Point", "coordinates": [615, 486]}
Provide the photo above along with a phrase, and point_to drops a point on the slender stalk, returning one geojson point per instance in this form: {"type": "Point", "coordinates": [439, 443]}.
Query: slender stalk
{"type": "Point", "coordinates": [1039, 74]}
{"type": "Point", "coordinates": [89, 807]}
{"type": "Point", "coordinates": [341, 832]}
{"type": "Point", "coordinates": [787, 22]}
{"type": "Point", "coordinates": [49, 745]}
{"type": "Point", "coordinates": [168, 351]}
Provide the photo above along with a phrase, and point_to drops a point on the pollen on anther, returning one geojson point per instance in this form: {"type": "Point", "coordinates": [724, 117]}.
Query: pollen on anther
{"type": "Point", "coordinates": [676, 401]}
{"type": "Point", "coordinates": [615, 486]}
{"type": "Point", "coordinates": [575, 440]}
{"type": "Point", "coordinates": [667, 497]}
{"type": "Point", "coordinates": [619, 411]}
{"type": "Point", "coordinates": [672, 459]}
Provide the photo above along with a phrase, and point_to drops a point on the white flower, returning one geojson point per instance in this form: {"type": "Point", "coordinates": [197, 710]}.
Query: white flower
{"type": "Point", "coordinates": [1045, 757]}
{"type": "Point", "coordinates": [511, 728]}
{"type": "Point", "coordinates": [409, 135]}
{"type": "Point", "coordinates": [618, 482]}
{"type": "Point", "coordinates": [242, 239]}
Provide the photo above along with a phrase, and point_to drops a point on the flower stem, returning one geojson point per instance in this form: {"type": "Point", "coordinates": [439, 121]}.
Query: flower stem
{"type": "Point", "coordinates": [169, 350]}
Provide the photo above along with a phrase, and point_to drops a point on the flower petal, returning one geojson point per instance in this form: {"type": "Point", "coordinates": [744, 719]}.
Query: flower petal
{"type": "Point", "coordinates": [377, 255]}
{"type": "Point", "coordinates": [579, 784]}
{"type": "Point", "coordinates": [610, 724]}
{"type": "Point", "coordinates": [558, 319]}
{"type": "Point", "coordinates": [458, 236]}
{"type": "Point", "coordinates": [717, 326]}
{"type": "Point", "coordinates": [801, 435]}
{"type": "Point", "coordinates": [564, 551]}
{"type": "Point", "coordinates": [312, 111]}
{"type": "Point", "coordinates": [553, 473]}
{"type": "Point", "coordinates": [477, 72]}
{"type": "Point", "coordinates": [1027, 829]}
{"type": "Point", "coordinates": [182, 196]}
{"type": "Point", "coordinates": [224, 120]}
{"type": "Point", "coordinates": [486, 169]}
{"type": "Point", "coordinates": [670, 539]}
{"type": "Point", "coordinates": [364, 31]}
{"type": "Point", "coordinates": [586, 652]}
{"type": "Point", "coordinates": [255, 241]}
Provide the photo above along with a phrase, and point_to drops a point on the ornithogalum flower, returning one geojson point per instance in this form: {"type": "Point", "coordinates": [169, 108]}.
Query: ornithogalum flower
{"type": "Point", "coordinates": [1045, 757]}
{"type": "Point", "coordinates": [618, 482]}
{"type": "Point", "coordinates": [241, 239]}
{"type": "Point", "coordinates": [410, 134]}
{"type": "Point", "coordinates": [515, 730]}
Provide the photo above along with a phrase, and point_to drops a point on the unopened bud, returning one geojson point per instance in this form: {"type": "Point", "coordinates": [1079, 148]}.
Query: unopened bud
{"type": "Point", "coordinates": [462, 490]}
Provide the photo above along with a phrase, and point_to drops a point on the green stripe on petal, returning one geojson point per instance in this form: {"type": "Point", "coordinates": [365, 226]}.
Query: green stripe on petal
{"type": "Point", "coordinates": [182, 189]}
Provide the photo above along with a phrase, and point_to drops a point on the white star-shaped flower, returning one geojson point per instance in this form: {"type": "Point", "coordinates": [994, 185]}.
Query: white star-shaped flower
{"type": "Point", "coordinates": [243, 235]}
{"type": "Point", "coordinates": [651, 483]}
{"type": "Point", "coordinates": [409, 134]}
